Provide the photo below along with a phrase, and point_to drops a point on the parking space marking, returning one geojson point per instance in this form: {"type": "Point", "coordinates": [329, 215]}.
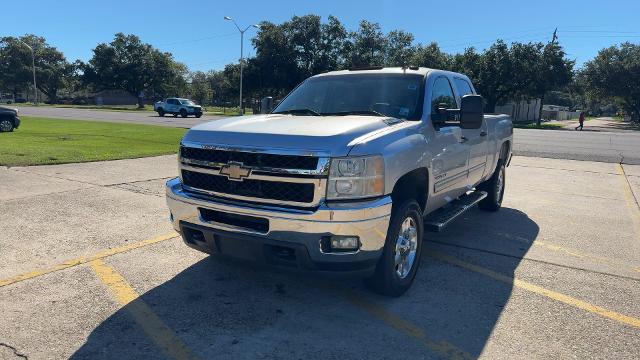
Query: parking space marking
{"type": "Point", "coordinates": [634, 206]}
{"type": "Point", "coordinates": [566, 299]}
{"type": "Point", "coordinates": [572, 252]}
{"type": "Point", "coordinates": [443, 348]}
{"type": "Point", "coordinates": [85, 259]}
{"type": "Point", "coordinates": [151, 324]}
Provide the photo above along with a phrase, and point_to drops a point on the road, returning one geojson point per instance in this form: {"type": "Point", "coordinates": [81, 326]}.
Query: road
{"type": "Point", "coordinates": [613, 147]}
{"type": "Point", "coordinates": [91, 269]}
{"type": "Point", "coordinates": [133, 117]}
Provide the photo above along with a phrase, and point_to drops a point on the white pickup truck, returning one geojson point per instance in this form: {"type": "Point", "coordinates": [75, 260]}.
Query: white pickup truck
{"type": "Point", "coordinates": [177, 106]}
{"type": "Point", "coordinates": [345, 175]}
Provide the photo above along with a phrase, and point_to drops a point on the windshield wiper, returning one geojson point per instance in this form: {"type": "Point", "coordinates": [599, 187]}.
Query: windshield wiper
{"type": "Point", "coordinates": [356, 112]}
{"type": "Point", "coordinates": [298, 111]}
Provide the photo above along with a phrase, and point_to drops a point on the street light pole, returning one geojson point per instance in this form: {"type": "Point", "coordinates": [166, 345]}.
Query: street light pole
{"type": "Point", "coordinates": [241, 53]}
{"type": "Point", "coordinates": [33, 67]}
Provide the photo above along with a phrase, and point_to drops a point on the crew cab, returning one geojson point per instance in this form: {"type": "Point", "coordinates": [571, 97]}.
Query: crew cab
{"type": "Point", "coordinates": [9, 119]}
{"type": "Point", "coordinates": [177, 106]}
{"type": "Point", "coordinates": [345, 175]}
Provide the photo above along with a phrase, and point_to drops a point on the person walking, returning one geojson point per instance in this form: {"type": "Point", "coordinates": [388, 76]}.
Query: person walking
{"type": "Point", "coordinates": [580, 121]}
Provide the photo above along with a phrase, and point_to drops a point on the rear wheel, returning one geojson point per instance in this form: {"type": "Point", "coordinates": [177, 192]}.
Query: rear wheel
{"type": "Point", "coordinates": [160, 112]}
{"type": "Point", "coordinates": [400, 258]}
{"type": "Point", "coordinates": [183, 113]}
{"type": "Point", "coordinates": [494, 188]}
{"type": "Point", "coordinates": [6, 125]}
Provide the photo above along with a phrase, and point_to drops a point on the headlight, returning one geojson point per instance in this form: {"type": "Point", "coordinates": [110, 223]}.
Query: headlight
{"type": "Point", "coordinates": [355, 178]}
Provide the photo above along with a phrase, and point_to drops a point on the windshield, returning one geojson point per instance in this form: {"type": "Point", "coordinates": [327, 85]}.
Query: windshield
{"type": "Point", "coordinates": [187, 102]}
{"type": "Point", "coordinates": [394, 95]}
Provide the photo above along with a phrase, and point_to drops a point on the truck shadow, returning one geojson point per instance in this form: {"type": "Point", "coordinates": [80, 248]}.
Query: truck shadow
{"type": "Point", "coordinates": [222, 308]}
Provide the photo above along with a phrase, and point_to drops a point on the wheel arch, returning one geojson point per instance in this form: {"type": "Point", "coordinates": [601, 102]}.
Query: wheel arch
{"type": "Point", "coordinates": [412, 185]}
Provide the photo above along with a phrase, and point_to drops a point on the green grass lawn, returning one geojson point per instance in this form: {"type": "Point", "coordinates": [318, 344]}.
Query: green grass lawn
{"type": "Point", "coordinates": [209, 110]}
{"type": "Point", "coordinates": [41, 141]}
{"type": "Point", "coordinates": [543, 126]}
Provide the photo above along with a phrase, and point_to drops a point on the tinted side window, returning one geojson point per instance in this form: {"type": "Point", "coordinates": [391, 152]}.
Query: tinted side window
{"type": "Point", "coordinates": [442, 95]}
{"type": "Point", "coordinates": [463, 87]}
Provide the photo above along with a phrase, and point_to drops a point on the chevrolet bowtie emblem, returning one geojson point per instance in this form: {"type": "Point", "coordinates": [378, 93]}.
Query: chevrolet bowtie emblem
{"type": "Point", "coordinates": [235, 171]}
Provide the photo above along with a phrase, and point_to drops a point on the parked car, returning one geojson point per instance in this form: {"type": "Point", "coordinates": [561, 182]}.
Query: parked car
{"type": "Point", "coordinates": [345, 175]}
{"type": "Point", "coordinates": [4, 99]}
{"type": "Point", "coordinates": [9, 119]}
{"type": "Point", "coordinates": [177, 106]}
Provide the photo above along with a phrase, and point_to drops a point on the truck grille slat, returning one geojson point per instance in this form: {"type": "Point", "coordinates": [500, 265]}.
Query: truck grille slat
{"type": "Point", "coordinates": [250, 159]}
{"type": "Point", "coordinates": [271, 190]}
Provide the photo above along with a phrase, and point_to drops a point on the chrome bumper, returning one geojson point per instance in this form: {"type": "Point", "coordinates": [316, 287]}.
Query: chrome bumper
{"type": "Point", "coordinates": [368, 220]}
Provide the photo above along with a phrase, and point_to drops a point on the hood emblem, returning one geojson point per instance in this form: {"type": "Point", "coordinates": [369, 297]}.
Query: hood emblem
{"type": "Point", "coordinates": [235, 171]}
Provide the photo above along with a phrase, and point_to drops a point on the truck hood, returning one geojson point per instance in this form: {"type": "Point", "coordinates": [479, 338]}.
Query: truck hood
{"type": "Point", "coordinates": [331, 135]}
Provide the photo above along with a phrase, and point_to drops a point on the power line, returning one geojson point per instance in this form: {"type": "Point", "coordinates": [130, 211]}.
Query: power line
{"type": "Point", "coordinates": [196, 40]}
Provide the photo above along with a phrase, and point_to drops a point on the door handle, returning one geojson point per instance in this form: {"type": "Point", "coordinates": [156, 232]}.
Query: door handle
{"type": "Point", "coordinates": [483, 133]}
{"type": "Point", "coordinates": [463, 139]}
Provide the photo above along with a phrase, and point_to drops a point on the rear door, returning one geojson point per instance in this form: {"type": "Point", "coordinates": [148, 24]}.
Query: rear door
{"type": "Point", "coordinates": [475, 138]}
{"type": "Point", "coordinates": [449, 165]}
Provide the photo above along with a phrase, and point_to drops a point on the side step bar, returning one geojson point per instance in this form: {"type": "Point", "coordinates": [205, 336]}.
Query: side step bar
{"type": "Point", "coordinates": [439, 219]}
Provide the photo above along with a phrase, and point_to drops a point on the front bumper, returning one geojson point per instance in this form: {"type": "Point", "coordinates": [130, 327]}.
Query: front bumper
{"type": "Point", "coordinates": [16, 122]}
{"type": "Point", "coordinates": [293, 238]}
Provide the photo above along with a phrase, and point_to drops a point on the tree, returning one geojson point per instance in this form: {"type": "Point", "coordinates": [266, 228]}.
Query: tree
{"type": "Point", "coordinates": [555, 72]}
{"type": "Point", "coordinates": [200, 87]}
{"type": "Point", "coordinates": [431, 56]}
{"type": "Point", "coordinates": [399, 50]}
{"type": "Point", "coordinates": [615, 73]}
{"type": "Point", "coordinates": [135, 67]}
{"type": "Point", "coordinates": [367, 46]}
{"type": "Point", "coordinates": [52, 69]}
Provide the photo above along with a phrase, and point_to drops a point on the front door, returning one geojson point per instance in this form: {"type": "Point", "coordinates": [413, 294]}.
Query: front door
{"type": "Point", "coordinates": [450, 163]}
{"type": "Point", "coordinates": [475, 138]}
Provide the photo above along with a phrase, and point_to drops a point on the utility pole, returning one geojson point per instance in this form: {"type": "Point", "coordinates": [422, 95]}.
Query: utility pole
{"type": "Point", "coordinates": [241, 53]}
{"type": "Point", "coordinates": [555, 36]}
{"type": "Point", "coordinates": [33, 67]}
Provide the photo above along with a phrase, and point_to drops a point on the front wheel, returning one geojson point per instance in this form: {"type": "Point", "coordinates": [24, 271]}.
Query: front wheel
{"type": "Point", "coordinates": [161, 112]}
{"type": "Point", "coordinates": [6, 125]}
{"type": "Point", "coordinates": [494, 188]}
{"type": "Point", "coordinates": [400, 258]}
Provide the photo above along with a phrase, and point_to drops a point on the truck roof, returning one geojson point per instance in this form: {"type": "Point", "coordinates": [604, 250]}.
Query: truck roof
{"type": "Point", "coordinates": [382, 70]}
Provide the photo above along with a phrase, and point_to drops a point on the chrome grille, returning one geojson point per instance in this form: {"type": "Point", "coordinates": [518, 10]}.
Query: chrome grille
{"type": "Point", "coordinates": [295, 179]}
{"type": "Point", "coordinates": [274, 190]}
{"type": "Point", "coordinates": [250, 159]}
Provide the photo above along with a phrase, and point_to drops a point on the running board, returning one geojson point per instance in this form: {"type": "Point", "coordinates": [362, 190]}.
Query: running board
{"type": "Point", "coordinates": [439, 219]}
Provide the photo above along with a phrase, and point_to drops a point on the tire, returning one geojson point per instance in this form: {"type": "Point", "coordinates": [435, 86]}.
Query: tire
{"type": "Point", "coordinates": [6, 125]}
{"type": "Point", "coordinates": [390, 279]}
{"type": "Point", "coordinates": [198, 116]}
{"type": "Point", "coordinates": [175, 115]}
{"type": "Point", "coordinates": [161, 112]}
{"type": "Point", "coordinates": [494, 188]}
{"type": "Point", "coordinates": [183, 113]}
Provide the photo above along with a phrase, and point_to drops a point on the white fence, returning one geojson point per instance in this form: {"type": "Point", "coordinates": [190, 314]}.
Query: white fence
{"type": "Point", "coordinates": [560, 115]}
{"type": "Point", "coordinates": [523, 111]}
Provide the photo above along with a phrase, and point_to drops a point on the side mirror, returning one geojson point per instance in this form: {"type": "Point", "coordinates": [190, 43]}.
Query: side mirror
{"type": "Point", "coordinates": [471, 112]}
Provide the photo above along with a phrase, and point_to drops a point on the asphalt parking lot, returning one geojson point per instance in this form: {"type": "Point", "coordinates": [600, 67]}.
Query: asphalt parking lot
{"type": "Point", "coordinates": [92, 269]}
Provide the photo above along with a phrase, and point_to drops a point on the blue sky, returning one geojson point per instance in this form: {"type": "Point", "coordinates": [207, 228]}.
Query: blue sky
{"type": "Point", "coordinates": [197, 35]}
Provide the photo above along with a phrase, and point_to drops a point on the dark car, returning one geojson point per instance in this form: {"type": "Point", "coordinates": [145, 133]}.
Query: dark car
{"type": "Point", "coordinates": [9, 119]}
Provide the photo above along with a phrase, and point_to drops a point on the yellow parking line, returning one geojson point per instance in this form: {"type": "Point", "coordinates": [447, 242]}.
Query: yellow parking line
{"type": "Point", "coordinates": [85, 259]}
{"type": "Point", "coordinates": [624, 319]}
{"type": "Point", "coordinates": [444, 348]}
{"type": "Point", "coordinates": [572, 252]}
{"type": "Point", "coordinates": [634, 207]}
{"type": "Point", "coordinates": [150, 323]}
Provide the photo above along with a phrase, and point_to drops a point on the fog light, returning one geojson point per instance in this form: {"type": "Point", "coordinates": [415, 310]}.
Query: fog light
{"type": "Point", "coordinates": [345, 243]}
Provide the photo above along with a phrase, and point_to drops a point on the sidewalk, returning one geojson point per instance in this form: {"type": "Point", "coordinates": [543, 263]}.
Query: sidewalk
{"type": "Point", "coordinates": [602, 124]}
